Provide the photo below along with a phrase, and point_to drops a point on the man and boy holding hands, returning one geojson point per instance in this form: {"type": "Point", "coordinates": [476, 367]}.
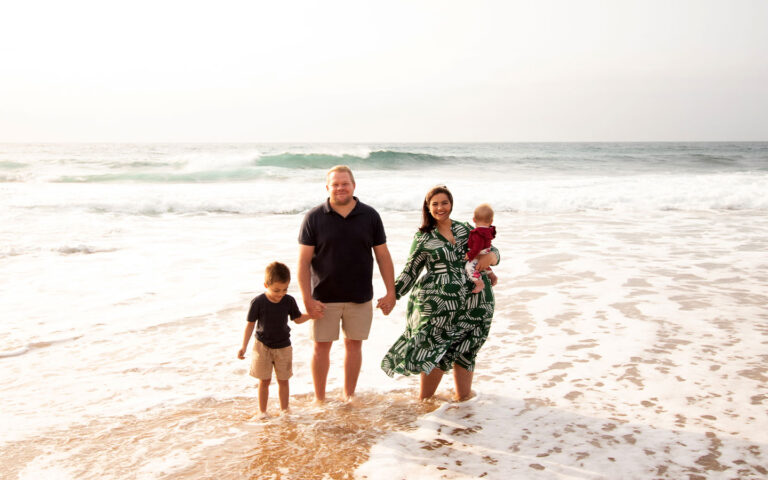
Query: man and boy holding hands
{"type": "Point", "coordinates": [335, 278]}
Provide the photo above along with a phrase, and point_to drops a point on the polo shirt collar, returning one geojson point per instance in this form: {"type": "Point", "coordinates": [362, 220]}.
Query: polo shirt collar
{"type": "Point", "coordinates": [327, 206]}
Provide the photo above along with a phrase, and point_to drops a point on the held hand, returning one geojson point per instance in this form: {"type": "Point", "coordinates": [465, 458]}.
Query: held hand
{"type": "Point", "coordinates": [494, 279]}
{"type": "Point", "coordinates": [386, 303]}
{"type": "Point", "coordinates": [315, 308]}
{"type": "Point", "coordinates": [241, 353]}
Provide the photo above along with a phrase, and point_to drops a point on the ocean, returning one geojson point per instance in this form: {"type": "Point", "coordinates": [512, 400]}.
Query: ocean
{"type": "Point", "coordinates": [629, 339]}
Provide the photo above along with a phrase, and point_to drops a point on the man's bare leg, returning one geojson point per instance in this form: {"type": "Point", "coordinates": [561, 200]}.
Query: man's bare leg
{"type": "Point", "coordinates": [429, 383]}
{"type": "Point", "coordinates": [462, 379]}
{"type": "Point", "coordinates": [321, 362]}
{"type": "Point", "coordinates": [284, 392]}
{"type": "Point", "coordinates": [353, 360]}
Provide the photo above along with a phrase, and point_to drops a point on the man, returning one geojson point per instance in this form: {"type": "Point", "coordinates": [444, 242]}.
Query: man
{"type": "Point", "coordinates": [335, 276]}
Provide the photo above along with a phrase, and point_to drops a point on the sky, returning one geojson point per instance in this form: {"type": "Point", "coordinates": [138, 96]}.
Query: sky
{"type": "Point", "coordinates": [383, 71]}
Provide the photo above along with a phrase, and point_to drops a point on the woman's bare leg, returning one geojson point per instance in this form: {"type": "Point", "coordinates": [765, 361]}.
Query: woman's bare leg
{"type": "Point", "coordinates": [429, 383]}
{"type": "Point", "coordinates": [462, 379]}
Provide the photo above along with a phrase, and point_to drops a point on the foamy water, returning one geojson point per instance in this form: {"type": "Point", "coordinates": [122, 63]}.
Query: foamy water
{"type": "Point", "coordinates": [629, 338]}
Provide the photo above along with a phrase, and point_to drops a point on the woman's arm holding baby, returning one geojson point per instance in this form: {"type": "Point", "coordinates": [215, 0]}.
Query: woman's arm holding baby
{"type": "Point", "coordinates": [486, 260]}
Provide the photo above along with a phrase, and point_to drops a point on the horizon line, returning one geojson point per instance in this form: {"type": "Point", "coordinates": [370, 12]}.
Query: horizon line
{"type": "Point", "coordinates": [354, 142]}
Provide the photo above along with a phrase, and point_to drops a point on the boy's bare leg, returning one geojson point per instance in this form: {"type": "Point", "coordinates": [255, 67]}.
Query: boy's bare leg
{"type": "Point", "coordinates": [462, 379]}
{"type": "Point", "coordinates": [353, 360]}
{"type": "Point", "coordinates": [263, 394]}
{"type": "Point", "coordinates": [429, 382]}
{"type": "Point", "coordinates": [321, 362]}
{"type": "Point", "coordinates": [283, 391]}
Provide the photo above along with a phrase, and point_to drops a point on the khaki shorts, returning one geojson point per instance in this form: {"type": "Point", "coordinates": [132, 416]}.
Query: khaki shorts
{"type": "Point", "coordinates": [264, 358]}
{"type": "Point", "coordinates": [355, 319]}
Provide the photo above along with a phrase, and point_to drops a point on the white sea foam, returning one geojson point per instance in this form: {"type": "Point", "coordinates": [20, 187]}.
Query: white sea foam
{"type": "Point", "coordinates": [630, 319]}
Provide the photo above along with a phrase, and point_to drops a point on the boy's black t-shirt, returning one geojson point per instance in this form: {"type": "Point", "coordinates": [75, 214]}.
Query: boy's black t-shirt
{"type": "Point", "coordinates": [272, 320]}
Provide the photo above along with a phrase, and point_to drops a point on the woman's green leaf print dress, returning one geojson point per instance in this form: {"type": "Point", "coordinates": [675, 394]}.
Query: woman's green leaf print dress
{"type": "Point", "coordinates": [446, 324]}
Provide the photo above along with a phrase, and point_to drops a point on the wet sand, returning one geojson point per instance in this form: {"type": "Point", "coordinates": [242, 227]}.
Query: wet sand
{"type": "Point", "coordinates": [629, 348]}
{"type": "Point", "coordinates": [311, 441]}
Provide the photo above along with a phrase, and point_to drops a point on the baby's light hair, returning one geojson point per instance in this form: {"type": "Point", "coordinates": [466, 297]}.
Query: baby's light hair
{"type": "Point", "coordinates": [277, 272]}
{"type": "Point", "coordinates": [484, 213]}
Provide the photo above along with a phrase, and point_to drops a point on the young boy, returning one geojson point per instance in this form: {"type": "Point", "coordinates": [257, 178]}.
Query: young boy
{"type": "Point", "coordinates": [479, 242]}
{"type": "Point", "coordinates": [269, 314]}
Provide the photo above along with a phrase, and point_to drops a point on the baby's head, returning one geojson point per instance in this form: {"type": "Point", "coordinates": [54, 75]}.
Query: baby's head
{"type": "Point", "coordinates": [277, 277]}
{"type": "Point", "coordinates": [483, 215]}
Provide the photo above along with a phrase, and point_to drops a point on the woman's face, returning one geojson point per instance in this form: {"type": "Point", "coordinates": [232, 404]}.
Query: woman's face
{"type": "Point", "coordinates": [440, 207]}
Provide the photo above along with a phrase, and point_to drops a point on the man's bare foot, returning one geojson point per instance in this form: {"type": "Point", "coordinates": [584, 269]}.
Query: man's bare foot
{"type": "Point", "coordinates": [261, 416]}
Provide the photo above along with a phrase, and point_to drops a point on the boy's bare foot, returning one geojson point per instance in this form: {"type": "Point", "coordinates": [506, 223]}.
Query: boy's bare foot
{"type": "Point", "coordinates": [478, 287]}
{"type": "Point", "coordinates": [261, 416]}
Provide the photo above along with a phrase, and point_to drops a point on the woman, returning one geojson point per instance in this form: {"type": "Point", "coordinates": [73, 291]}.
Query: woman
{"type": "Point", "coordinates": [446, 324]}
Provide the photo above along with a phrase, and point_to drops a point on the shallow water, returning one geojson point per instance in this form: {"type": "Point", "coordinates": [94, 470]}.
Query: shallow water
{"type": "Point", "coordinates": [625, 348]}
{"type": "Point", "coordinates": [629, 338]}
{"type": "Point", "coordinates": [219, 439]}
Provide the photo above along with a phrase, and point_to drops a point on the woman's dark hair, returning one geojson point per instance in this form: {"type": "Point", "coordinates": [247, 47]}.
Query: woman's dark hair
{"type": "Point", "coordinates": [428, 222]}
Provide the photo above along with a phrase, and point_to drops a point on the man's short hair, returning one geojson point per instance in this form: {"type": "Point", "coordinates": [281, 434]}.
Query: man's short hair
{"type": "Point", "coordinates": [484, 213]}
{"type": "Point", "coordinates": [277, 272]}
{"type": "Point", "coordinates": [340, 168]}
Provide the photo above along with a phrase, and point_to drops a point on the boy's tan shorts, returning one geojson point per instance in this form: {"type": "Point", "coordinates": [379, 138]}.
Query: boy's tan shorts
{"type": "Point", "coordinates": [264, 358]}
{"type": "Point", "coordinates": [355, 319]}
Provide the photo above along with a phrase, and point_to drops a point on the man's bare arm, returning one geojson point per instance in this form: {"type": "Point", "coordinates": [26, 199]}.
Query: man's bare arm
{"type": "Point", "coordinates": [314, 308]}
{"type": "Point", "coordinates": [387, 271]}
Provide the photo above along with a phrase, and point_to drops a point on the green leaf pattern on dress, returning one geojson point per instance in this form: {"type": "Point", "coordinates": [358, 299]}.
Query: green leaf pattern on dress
{"type": "Point", "coordinates": [446, 323]}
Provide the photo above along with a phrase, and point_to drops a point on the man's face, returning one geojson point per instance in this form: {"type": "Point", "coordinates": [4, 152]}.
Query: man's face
{"type": "Point", "coordinates": [340, 188]}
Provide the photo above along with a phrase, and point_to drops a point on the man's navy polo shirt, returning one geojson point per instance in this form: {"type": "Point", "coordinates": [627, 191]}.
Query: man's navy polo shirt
{"type": "Point", "coordinates": [342, 264]}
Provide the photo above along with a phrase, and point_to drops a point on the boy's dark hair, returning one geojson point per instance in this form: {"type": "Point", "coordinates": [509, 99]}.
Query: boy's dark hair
{"type": "Point", "coordinates": [277, 272]}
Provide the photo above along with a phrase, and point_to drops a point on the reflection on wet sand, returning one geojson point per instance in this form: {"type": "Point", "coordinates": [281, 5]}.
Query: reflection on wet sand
{"type": "Point", "coordinates": [222, 440]}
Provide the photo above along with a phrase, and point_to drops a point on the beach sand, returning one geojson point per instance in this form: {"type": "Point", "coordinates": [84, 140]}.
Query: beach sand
{"type": "Point", "coordinates": [629, 348]}
{"type": "Point", "coordinates": [613, 354]}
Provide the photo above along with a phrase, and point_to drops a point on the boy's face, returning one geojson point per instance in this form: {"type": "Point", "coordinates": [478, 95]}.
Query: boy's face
{"type": "Point", "coordinates": [276, 291]}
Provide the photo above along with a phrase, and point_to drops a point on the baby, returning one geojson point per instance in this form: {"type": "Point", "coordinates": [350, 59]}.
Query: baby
{"type": "Point", "coordinates": [480, 243]}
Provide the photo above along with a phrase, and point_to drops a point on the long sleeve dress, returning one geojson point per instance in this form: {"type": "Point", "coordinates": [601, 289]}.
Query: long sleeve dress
{"type": "Point", "coordinates": [446, 323]}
